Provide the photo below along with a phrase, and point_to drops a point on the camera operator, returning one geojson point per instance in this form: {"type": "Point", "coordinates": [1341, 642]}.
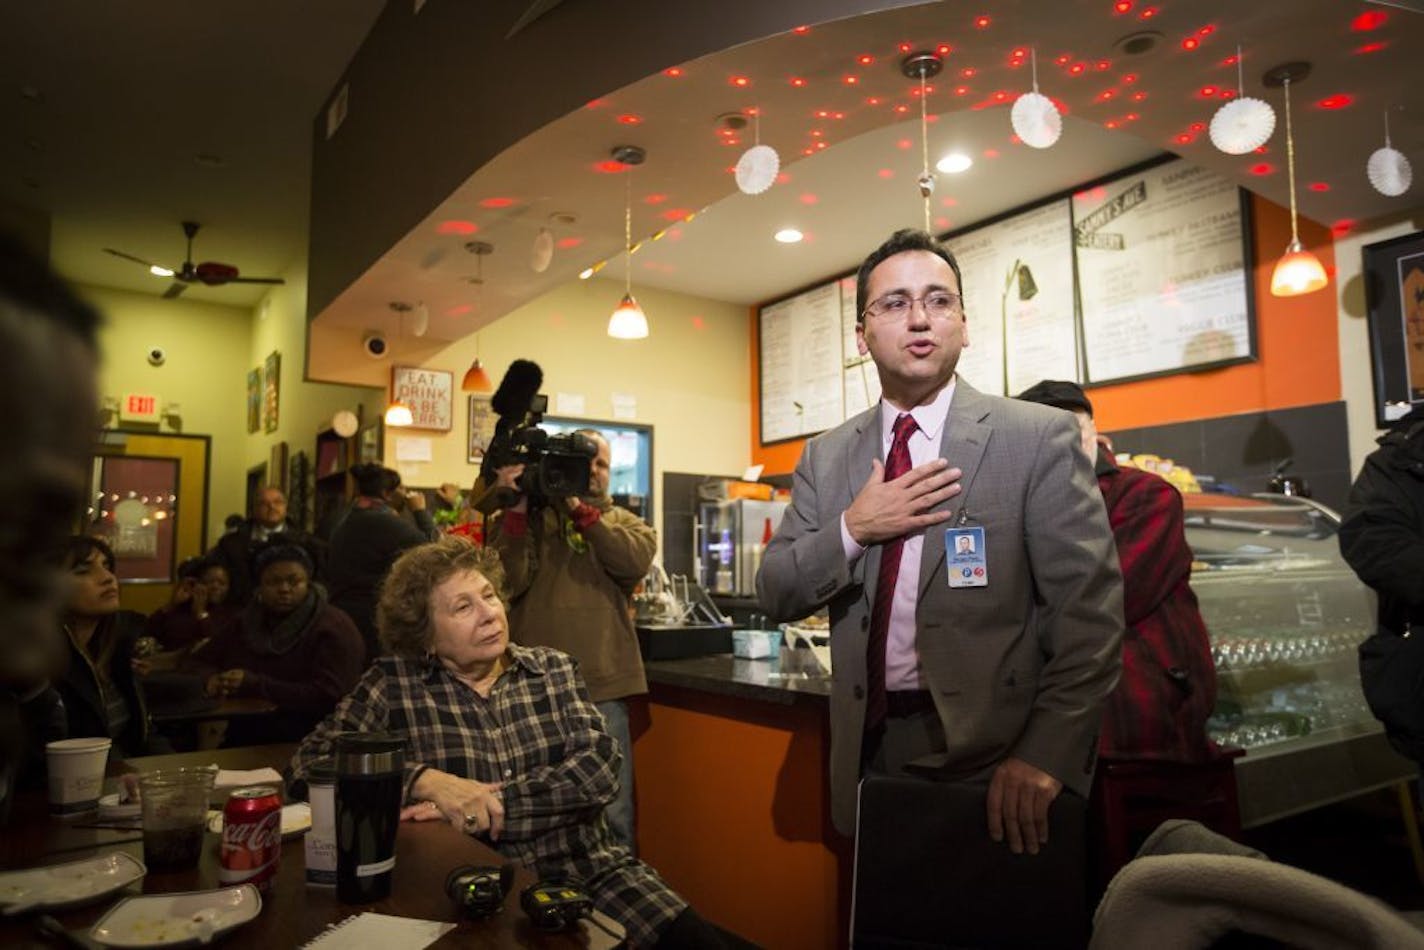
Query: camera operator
{"type": "Point", "coordinates": [572, 565]}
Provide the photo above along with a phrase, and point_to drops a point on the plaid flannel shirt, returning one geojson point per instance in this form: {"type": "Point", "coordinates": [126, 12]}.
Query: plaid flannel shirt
{"type": "Point", "coordinates": [539, 735]}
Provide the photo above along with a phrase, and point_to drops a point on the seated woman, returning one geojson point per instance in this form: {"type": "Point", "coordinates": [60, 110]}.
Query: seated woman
{"type": "Point", "coordinates": [288, 646]}
{"type": "Point", "coordinates": [100, 691]}
{"type": "Point", "coordinates": [502, 741]}
{"type": "Point", "coordinates": [196, 609]}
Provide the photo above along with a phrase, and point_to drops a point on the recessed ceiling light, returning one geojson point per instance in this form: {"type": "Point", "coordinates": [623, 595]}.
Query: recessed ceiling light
{"type": "Point", "coordinates": [788, 235]}
{"type": "Point", "coordinates": [954, 163]}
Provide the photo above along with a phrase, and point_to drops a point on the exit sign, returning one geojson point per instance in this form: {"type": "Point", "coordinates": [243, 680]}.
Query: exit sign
{"type": "Point", "coordinates": [136, 407]}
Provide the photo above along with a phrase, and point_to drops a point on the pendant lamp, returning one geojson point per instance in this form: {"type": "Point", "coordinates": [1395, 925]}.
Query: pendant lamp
{"type": "Point", "coordinates": [1388, 168]}
{"type": "Point", "coordinates": [398, 414]}
{"type": "Point", "coordinates": [922, 66]}
{"type": "Point", "coordinates": [1036, 120]}
{"type": "Point", "coordinates": [1243, 124]}
{"type": "Point", "coordinates": [628, 321]}
{"type": "Point", "coordinates": [1298, 271]}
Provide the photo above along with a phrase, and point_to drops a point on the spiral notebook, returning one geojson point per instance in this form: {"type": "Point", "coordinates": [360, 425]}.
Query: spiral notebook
{"type": "Point", "coordinates": [379, 930]}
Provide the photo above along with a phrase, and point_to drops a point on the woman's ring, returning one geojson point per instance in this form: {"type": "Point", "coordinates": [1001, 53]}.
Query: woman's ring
{"type": "Point", "coordinates": [472, 820]}
{"type": "Point", "coordinates": [431, 805]}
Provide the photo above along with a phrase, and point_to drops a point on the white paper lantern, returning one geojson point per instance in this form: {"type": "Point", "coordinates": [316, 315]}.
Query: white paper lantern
{"type": "Point", "coordinates": [757, 168]}
{"type": "Point", "coordinates": [1242, 125]}
{"type": "Point", "coordinates": [1390, 171]}
{"type": "Point", "coordinates": [1036, 120]}
{"type": "Point", "coordinates": [542, 253]}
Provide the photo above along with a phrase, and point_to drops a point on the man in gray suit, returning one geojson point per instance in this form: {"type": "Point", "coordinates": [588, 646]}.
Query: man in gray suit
{"type": "Point", "coordinates": [990, 664]}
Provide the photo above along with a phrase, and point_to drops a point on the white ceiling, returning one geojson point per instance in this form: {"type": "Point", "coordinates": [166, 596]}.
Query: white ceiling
{"type": "Point", "coordinates": [129, 94]}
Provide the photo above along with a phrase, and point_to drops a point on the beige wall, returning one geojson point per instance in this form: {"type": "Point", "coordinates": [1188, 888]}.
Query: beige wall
{"type": "Point", "coordinates": [210, 348]}
{"type": "Point", "coordinates": [1356, 380]}
{"type": "Point", "coordinates": [690, 377]}
{"type": "Point", "coordinates": [203, 374]}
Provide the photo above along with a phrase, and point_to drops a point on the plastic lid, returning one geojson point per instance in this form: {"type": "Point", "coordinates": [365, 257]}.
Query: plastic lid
{"type": "Point", "coordinates": [322, 772]}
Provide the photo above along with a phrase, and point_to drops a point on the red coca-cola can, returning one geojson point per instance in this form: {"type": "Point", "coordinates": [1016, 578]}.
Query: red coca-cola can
{"type": "Point", "coordinates": [252, 837]}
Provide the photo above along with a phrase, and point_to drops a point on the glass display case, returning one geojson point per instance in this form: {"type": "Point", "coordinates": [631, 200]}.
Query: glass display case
{"type": "Point", "coordinates": [1286, 614]}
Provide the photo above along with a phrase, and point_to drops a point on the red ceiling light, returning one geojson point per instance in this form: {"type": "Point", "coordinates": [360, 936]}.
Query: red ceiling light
{"type": "Point", "coordinates": [944, 49]}
{"type": "Point", "coordinates": [902, 108]}
{"type": "Point", "coordinates": [629, 118]}
{"type": "Point", "coordinates": [783, 177]}
{"type": "Point", "coordinates": [1129, 78]}
{"type": "Point", "coordinates": [1110, 124]}
{"type": "Point", "coordinates": [595, 103]}
{"type": "Point", "coordinates": [809, 199]}
{"type": "Point", "coordinates": [1122, 6]}
{"type": "Point", "coordinates": [1231, 60]}
{"type": "Point", "coordinates": [837, 115]}
{"type": "Point", "coordinates": [941, 222]}
{"type": "Point", "coordinates": [1207, 30]}
{"type": "Point", "coordinates": [1139, 96]}
{"type": "Point", "coordinates": [672, 71]}
{"type": "Point", "coordinates": [456, 227]}
{"type": "Point", "coordinates": [1338, 101]}
{"type": "Point", "coordinates": [981, 22]}
{"type": "Point", "coordinates": [801, 30]}
{"type": "Point", "coordinates": [568, 243]}
{"type": "Point", "coordinates": [1369, 20]}
{"type": "Point", "coordinates": [886, 173]}
{"type": "Point", "coordinates": [1207, 92]}
{"type": "Point", "coordinates": [1077, 69]}
{"type": "Point", "coordinates": [1261, 168]}
{"type": "Point", "coordinates": [961, 90]}
{"type": "Point", "coordinates": [821, 114]}
{"type": "Point", "coordinates": [850, 80]}
{"type": "Point", "coordinates": [1102, 65]}
{"type": "Point", "coordinates": [610, 166]}
{"type": "Point", "coordinates": [496, 202]}
{"type": "Point", "coordinates": [1342, 227]}
{"type": "Point", "coordinates": [905, 47]}
{"type": "Point", "coordinates": [1184, 139]}
{"type": "Point", "coordinates": [991, 153]}
{"type": "Point", "coordinates": [1227, 94]}
{"type": "Point", "coordinates": [675, 214]}
{"type": "Point", "coordinates": [968, 72]}
{"type": "Point", "coordinates": [904, 144]}
{"type": "Point", "coordinates": [1368, 48]}
{"type": "Point", "coordinates": [949, 202]}
{"type": "Point", "coordinates": [1197, 127]}
{"type": "Point", "coordinates": [820, 144]}
{"type": "Point", "coordinates": [1318, 186]}
{"type": "Point", "coordinates": [459, 310]}
{"type": "Point", "coordinates": [654, 199]}
{"type": "Point", "coordinates": [797, 81]}
{"type": "Point", "coordinates": [873, 101]}
{"type": "Point", "coordinates": [1020, 52]}
{"type": "Point", "coordinates": [740, 82]}
{"type": "Point", "coordinates": [1106, 95]}
{"type": "Point", "coordinates": [816, 133]}
{"type": "Point", "coordinates": [1190, 43]}
{"type": "Point", "coordinates": [1148, 13]}
{"type": "Point", "coordinates": [1131, 117]}
{"type": "Point", "coordinates": [865, 59]}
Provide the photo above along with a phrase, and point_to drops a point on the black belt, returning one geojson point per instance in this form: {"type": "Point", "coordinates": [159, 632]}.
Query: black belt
{"type": "Point", "coordinates": [900, 703]}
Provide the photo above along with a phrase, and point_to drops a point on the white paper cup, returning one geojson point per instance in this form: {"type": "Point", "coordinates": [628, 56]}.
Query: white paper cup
{"type": "Point", "coordinates": [76, 774]}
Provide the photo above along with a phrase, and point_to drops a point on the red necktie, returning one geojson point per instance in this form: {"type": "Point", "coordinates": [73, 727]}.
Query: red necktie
{"type": "Point", "coordinates": [897, 463]}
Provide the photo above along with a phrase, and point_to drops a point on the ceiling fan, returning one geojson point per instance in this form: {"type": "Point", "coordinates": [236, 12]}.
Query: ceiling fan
{"type": "Point", "coordinates": [211, 273]}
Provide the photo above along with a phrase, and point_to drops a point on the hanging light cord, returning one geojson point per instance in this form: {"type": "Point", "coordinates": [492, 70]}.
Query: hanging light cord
{"type": "Point", "coordinates": [1290, 162]}
{"type": "Point", "coordinates": [1033, 64]}
{"type": "Point", "coordinates": [924, 143]}
{"type": "Point", "coordinates": [628, 231]}
{"type": "Point", "coordinates": [1240, 73]}
{"type": "Point", "coordinates": [1386, 128]}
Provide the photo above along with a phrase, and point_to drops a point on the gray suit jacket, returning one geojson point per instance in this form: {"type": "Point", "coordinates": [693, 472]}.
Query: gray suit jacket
{"type": "Point", "coordinates": [1018, 668]}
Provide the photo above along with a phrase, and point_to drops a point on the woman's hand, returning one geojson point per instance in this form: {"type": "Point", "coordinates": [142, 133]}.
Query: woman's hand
{"type": "Point", "coordinates": [226, 683]}
{"type": "Point", "coordinates": [470, 806]}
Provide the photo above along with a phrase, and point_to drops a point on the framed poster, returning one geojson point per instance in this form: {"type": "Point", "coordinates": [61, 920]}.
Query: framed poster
{"type": "Point", "coordinates": [254, 399]}
{"type": "Point", "coordinates": [271, 390]}
{"type": "Point", "coordinates": [802, 371]}
{"type": "Point", "coordinates": [1161, 256]}
{"type": "Point", "coordinates": [1394, 300]}
{"type": "Point", "coordinates": [482, 423]}
{"type": "Point", "coordinates": [277, 467]}
{"type": "Point", "coordinates": [428, 392]}
{"type": "Point", "coordinates": [137, 514]}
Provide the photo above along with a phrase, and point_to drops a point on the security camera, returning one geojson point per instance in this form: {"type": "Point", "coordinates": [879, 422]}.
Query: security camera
{"type": "Point", "coordinates": [375, 345]}
{"type": "Point", "coordinates": [156, 356]}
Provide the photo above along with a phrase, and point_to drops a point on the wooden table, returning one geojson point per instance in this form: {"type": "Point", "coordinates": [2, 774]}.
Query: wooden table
{"type": "Point", "coordinates": [292, 913]}
{"type": "Point", "coordinates": [233, 707]}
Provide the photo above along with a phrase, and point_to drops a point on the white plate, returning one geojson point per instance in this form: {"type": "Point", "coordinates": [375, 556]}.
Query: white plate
{"type": "Point", "coordinates": [68, 885]}
{"type": "Point", "coordinates": [177, 920]}
{"type": "Point", "coordinates": [296, 820]}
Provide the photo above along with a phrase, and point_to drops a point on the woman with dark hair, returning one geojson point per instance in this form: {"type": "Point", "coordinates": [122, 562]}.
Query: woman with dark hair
{"type": "Point", "coordinates": [367, 543]}
{"type": "Point", "coordinates": [502, 740]}
{"type": "Point", "coordinates": [288, 646]}
{"type": "Point", "coordinates": [100, 691]}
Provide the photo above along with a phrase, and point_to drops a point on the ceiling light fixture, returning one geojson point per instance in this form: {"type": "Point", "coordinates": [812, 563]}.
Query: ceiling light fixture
{"type": "Point", "coordinates": [476, 379]}
{"type": "Point", "coordinates": [788, 236]}
{"type": "Point", "coordinates": [628, 322]}
{"type": "Point", "coordinates": [756, 169]}
{"type": "Point", "coordinates": [922, 66]}
{"type": "Point", "coordinates": [1298, 271]}
{"type": "Point", "coordinates": [159, 271]}
{"type": "Point", "coordinates": [954, 163]}
{"type": "Point", "coordinates": [398, 414]}
{"type": "Point", "coordinates": [1388, 169]}
{"type": "Point", "coordinates": [541, 255]}
{"type": "Point", "coordinates": [1244, 124]}
{"type": "Point", "coordinates": [1036, 120]}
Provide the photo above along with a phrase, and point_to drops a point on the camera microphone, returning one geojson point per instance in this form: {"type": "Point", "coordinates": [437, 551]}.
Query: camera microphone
{"type": "Point", "coordinates": [517, 389]}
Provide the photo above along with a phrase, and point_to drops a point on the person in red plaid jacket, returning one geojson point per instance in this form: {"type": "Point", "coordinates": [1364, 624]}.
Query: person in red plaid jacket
{"type": "Point", "coordinates": [1168, 685]}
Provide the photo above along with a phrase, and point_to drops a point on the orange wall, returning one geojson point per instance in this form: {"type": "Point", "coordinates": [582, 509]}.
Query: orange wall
{"type": "Point", "coordinates": [1298, 356]}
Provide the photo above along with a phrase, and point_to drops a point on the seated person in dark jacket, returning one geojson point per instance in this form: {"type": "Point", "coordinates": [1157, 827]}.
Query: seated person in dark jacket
{"type": "Point", "coordinates": [269, 522]}
{"type": "Point", "coordinates": [196, 608]}
{"type": "Point", "coordinates": [47, 359]}
{"type": "Point", "coordinates": [288, 646]}
{"type": "Point", "coordinates": [100, 689]}
{"type": "Point", "coordinates": [367, 543]}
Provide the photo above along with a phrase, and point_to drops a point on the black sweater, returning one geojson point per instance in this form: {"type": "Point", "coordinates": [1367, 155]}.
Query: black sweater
{"type": "Point", "coordinates": [363, 548]}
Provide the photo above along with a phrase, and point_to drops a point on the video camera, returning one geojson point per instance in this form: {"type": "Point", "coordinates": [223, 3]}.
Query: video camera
{"type": "Point", "coordinates": [555, 466]}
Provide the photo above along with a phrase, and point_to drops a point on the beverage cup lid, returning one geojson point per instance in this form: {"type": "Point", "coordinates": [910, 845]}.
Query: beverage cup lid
{"type": "Point", "coordinates": [78, 746]}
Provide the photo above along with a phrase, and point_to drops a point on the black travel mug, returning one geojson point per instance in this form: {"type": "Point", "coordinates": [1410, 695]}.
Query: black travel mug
{"type": "Point", "coordinates": [369, 780]}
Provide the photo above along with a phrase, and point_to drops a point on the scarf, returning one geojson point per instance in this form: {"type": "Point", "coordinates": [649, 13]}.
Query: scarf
{"type": "Point", "coordinates": [266, 640]}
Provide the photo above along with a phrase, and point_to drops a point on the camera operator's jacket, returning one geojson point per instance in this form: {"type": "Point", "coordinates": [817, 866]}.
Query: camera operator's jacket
{"type": "Point", "coordinates": [571, 579]}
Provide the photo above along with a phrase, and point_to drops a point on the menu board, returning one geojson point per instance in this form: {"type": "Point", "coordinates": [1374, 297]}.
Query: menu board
{"type": "Point", "coordinates": [801, 373]}
{"type": "Point", "coordinates": [859, 377]}
{"type": "Point", "coordinates": [1161, 273]}
{"type": "Point", "coordinates": [1017, 279]}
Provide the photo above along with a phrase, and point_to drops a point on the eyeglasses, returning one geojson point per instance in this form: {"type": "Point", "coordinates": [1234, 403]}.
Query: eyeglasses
{"type": "Point", "coordinates": [937, 303]}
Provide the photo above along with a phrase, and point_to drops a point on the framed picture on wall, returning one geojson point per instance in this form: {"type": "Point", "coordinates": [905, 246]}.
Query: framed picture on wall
{"type": "Point", "coordinates": [271, 390]}
{"type": "Point", "coordinates": [482, 422]}
{"type": "Point", "coordinates": [277, 468]}
{"type": "Point", "coordinates": [428, 392]}
{"type": "Point", "coordinates": [1394, 300]}
{"type": "Point", "coordinates": [254, 399]}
